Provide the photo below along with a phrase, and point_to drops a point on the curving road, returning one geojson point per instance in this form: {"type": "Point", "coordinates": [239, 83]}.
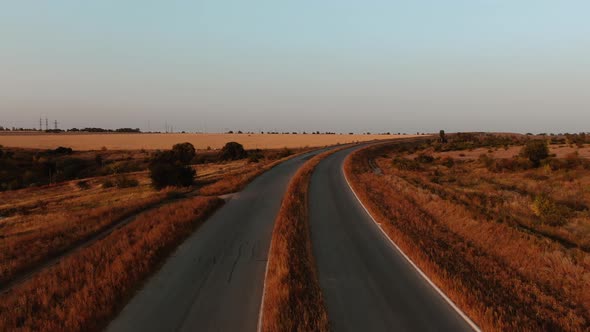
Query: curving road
{"type": "Point", "coordinates": [214, 280]}
{"type": "Point", "coordinates": [367, 284]}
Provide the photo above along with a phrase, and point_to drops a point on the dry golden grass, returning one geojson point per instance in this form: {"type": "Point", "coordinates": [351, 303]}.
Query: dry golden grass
{"type": "Point", "coordinates": [293, 298]}
{"type": "Point", "coordinates": [476, 235]}
{"type": "Point", "coordinates": [560, 151]}
{"type": "Point", "coordinates": [88, 285]}
{"type": "Point", "coordinates": [165, 141]}
{"type": "Point", "coordinates": [85, 289]}
{"type": "Point", "coordinates": [44, 222]}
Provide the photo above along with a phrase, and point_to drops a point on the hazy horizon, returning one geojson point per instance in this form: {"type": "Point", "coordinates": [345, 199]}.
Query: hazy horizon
{"type": "Point", "coordinates": [266, 65]}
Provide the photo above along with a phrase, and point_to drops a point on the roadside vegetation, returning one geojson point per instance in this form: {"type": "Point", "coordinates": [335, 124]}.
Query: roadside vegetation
{"type": "Point", "coordinates": [106, 231]}
{"type": "Point", "coordinates": [172, 167]}
{"type": "Point", "coordinates": [26, 168]}
{"type": "Point", "coordinates": [257, 162]}
{"type": "Point", "coordinates": [84, 290]}
{"type": "Point", "coordinates": [52, 224]}
{"type": "Point", "coordinates": [293, 299]}
{"type": "Point", "coordinates": [500, 223]}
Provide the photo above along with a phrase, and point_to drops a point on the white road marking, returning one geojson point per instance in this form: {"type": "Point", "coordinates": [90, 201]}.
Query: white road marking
{"type": "Point", "coordinates": [395, 246]}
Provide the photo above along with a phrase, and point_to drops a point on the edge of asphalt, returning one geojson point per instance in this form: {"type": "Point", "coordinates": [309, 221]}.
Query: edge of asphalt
{"type": "Point", "coordinates": [395, 247]}
{"type": "Point", "coordinates": [261, 309]}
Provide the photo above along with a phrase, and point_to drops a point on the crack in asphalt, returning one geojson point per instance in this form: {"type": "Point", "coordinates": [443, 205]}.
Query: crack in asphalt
{"type": "Point", "coordinates": [235, 263]}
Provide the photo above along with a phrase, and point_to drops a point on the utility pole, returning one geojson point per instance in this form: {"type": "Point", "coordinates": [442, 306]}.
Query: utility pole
{"type": "Point", "coordinates": [55, 124]}
{"type": "Point", "coordinates": [40, 124]}
{"type": "Point", "coordinates": [46, 124]}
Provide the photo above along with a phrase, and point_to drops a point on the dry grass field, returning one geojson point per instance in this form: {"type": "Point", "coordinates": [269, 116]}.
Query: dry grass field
{"type": "Point", "coordinates": [41, 223]}
{"type": "Point", "coordinates": [87, 141]}
{"type": "Point", "coordinates": [84, 290]}
{"type": "Point", "coordinates": [508, 242]}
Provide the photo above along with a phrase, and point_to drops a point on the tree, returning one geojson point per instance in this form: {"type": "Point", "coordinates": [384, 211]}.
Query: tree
{"type": "Point", "coordinates": [232, 151]}
{"type": "Point", "coordinates": [443, 138]}
{"type": "Point", "coordinates": [184, 152]}
{"type": "Point", "coordinates": [171, 167]}
{"type": "Point", "coordinates": [535, 151]}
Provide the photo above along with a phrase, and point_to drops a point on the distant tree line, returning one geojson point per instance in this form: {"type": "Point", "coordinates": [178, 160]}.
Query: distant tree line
{"type": "Point", "coordinates": [102, 130]}
{"type": "Point", "coordinates": [90, 130]}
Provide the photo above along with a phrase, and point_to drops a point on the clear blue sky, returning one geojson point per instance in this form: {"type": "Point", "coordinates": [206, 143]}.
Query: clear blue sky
{"type": "Point", "coordinates": [307, 65]}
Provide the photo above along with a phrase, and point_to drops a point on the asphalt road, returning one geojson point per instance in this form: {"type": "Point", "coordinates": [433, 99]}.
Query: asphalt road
{"type": "Point", "coordinates": [214, 280]}
{"type": "Point", "coordinates": [367, 284]}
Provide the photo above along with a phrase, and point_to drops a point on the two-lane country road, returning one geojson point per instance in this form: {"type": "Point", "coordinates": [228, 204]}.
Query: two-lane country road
{"type": "Point", "coordinates": [366, 283]}
{"type": "Point", "coordinates": [214, 280]}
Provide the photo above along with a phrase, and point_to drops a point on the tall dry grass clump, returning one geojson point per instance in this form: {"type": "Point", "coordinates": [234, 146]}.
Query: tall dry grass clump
{"type": "Point", "coordinates": [87, 288]}
{"type": "Point", "coordinates": [293, 299]}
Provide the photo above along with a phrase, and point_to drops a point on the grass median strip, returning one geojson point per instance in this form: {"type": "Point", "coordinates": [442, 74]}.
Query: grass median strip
{"type": "Point", "coordinates": [293, 299]}
{"type": "Point", "coordinates": [84, 290]}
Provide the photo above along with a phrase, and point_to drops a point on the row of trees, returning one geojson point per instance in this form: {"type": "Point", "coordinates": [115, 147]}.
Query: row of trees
{"type": "Point", "coordinates": [24, 168]}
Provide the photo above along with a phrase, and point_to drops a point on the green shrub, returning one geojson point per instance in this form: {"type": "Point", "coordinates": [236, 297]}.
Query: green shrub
{"type": "Point", "coordinates": [406, 164]}
{"type": "Point", "coordinates": [548, 211]}
{"type": "Point", "coordinates": [232, 151]}
{"type": "Point", "coordinates": [166, 174]}
{"type": "Point", "coordinates": [255, 157]}
{"type": "Point", "coordinates": [71, 168]}
{"type": "Point", "coordinates": [83, 185]}
{"type": "Point", "coordinates": [448, 162]}
{"type": "Point", "coordinates": [174, 195]}
{"type": "Point", "coordinates": [487, 161]}
{"type": "Point", "coordinates": [285, 152]}
{"type": "Point", "coordinates": [184, 152]}
{"type": "Point", "coordinates": [424, 158]}
{"type": "Point", "coordinates": [535, 151]}
{"type": "Point", "coordinates": [123, 181]}
{"type": "Point", "coordinates": [169, 168]}
{"type": "Point", "coordinates": [61, 150]}
{"type": "Point", "coordinates": [107, 183]}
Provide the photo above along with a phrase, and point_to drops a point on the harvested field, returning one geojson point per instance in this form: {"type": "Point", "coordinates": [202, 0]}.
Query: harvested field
{"type": "Point", "coordinates": [505, 241]}
{"type": "Point", "coordinates": [87, 141]}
